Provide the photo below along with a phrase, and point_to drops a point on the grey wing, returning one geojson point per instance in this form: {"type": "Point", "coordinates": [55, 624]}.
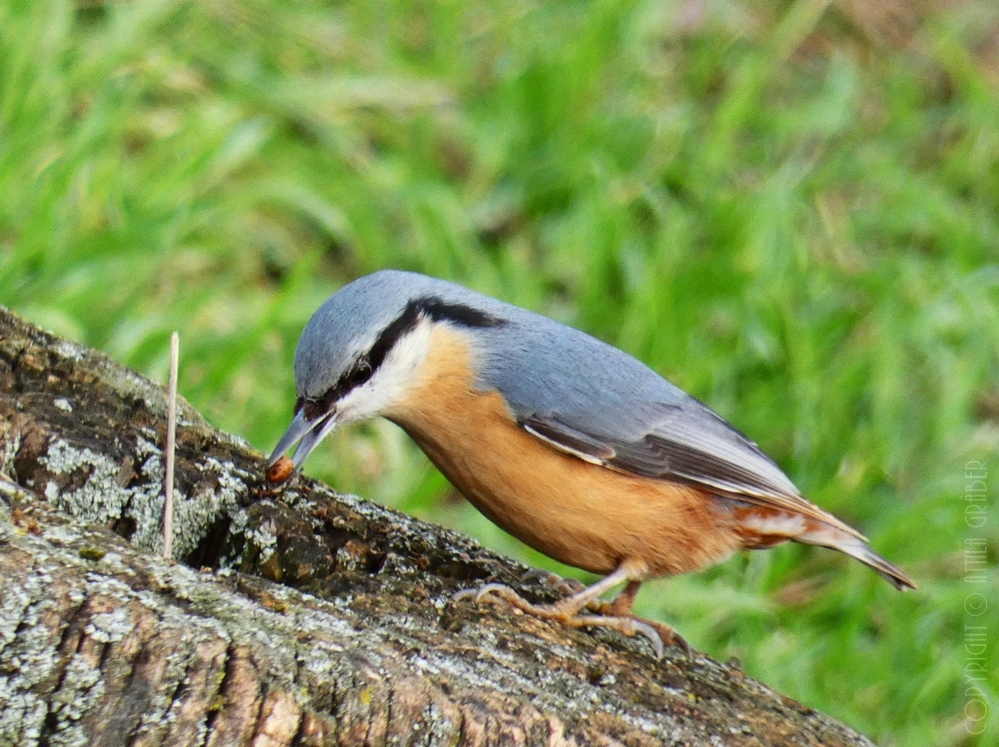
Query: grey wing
{"type": "Point", "coordinates": [591, 400]}
{"type": "Point", "coordinates": [686, 443]}
{"type": "Point", "coordinates": [689, 446]}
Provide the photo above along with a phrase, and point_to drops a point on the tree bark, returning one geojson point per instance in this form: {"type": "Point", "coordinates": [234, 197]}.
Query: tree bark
{"type": "Point", "coordinates": [293, 616]}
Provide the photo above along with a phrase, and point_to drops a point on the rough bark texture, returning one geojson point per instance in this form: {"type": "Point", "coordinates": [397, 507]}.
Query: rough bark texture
{"type": "Point", "coordinates": [297, 616]}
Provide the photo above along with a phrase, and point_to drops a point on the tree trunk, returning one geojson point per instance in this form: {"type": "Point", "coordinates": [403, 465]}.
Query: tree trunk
{"type": "Point", "coordinates": [295, 616]}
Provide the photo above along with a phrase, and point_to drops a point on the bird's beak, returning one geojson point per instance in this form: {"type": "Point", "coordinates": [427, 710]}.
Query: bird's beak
{"type": "Point", "coordinates": [309, 432]}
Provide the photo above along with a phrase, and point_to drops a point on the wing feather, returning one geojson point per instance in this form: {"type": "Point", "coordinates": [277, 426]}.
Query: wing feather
{"type": "Point", "coordinates": [692, 447]}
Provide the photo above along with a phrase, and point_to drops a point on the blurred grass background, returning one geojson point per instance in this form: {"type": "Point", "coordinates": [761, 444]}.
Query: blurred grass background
{"type": "Point", "coordinates": [789, 209]}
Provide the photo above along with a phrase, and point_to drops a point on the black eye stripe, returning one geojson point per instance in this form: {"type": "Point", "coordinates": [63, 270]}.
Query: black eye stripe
{"type": "Point", "coordinates": [456, 313]}
{"type": "Point", "coordinates": [361, 372]}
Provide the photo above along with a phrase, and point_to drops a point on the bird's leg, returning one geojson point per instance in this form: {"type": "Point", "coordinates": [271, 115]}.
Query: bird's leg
{"type": "Point", "coordinates": [567, 611]}
{"type": "Point", "coordinates": [623, 602]}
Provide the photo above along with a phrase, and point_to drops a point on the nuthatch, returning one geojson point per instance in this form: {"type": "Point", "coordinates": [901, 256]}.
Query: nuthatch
{"type": "Point", "coordinates": [567, 443]}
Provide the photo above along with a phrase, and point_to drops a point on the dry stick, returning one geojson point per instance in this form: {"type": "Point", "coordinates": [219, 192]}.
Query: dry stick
{"type": "Point", "coordinates": [170, 447]}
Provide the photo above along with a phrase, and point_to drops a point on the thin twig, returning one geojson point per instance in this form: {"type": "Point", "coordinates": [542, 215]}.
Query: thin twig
{"type": "Point", "coordinates": [170, 447]}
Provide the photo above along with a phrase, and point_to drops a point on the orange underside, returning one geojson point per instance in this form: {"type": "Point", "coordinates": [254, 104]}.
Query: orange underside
{"type": "Point", "coordinates": [582, 514]}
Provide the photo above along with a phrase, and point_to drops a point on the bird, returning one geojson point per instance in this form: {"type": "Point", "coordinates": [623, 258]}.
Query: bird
{"type": "Point", "coordinates": [566, 442]}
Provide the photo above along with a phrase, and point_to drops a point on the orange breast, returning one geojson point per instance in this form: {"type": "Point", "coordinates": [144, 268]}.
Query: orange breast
{"type": "Point", "coordinates": [582, 514]}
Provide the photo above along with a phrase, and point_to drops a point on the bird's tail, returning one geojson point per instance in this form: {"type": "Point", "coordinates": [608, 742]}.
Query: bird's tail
{"type": "Point", "coordinates": [760, 528]}
{"type": "Point", "coordinates": [818, 533]}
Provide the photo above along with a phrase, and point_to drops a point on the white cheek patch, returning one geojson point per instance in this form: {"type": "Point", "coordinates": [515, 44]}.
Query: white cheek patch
{"type": "Point", "coordinates": [394, 377]}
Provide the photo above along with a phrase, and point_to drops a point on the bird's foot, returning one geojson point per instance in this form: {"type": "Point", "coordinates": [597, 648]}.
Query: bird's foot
{"type": "Point", "coordinates": [568, 610]}
{"type": "Point", "coordinates": [667, 633]}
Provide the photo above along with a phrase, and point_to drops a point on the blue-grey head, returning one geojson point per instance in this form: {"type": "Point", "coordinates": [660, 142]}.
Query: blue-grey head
{"type": "Point", "coordinates": [360, 351]}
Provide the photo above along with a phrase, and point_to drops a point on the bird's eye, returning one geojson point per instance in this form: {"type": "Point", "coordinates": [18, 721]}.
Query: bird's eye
{"type": "Point", "coordinates": [361, 373]}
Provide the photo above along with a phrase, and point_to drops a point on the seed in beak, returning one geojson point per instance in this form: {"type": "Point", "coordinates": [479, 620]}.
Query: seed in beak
{"type": "Point", "coordinates": [280, 470]}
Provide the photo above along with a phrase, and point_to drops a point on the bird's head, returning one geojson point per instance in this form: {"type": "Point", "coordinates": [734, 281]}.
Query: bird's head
{"type": "Point", "coordinates": [361, 351]}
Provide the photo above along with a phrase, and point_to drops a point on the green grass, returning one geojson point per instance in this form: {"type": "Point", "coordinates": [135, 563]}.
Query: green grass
{"type": "Point", "coordinates": [790, 210]}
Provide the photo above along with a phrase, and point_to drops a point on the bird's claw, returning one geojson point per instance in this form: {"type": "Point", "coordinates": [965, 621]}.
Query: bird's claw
{"type": "Point", "coordinates": [476, 595]}
{"type": "Point", "coordinates": [627, 625]}
{"type": "Point", "coordinates": [464, 594]}
{"type": "Point", "coordinates": [669, 635]}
